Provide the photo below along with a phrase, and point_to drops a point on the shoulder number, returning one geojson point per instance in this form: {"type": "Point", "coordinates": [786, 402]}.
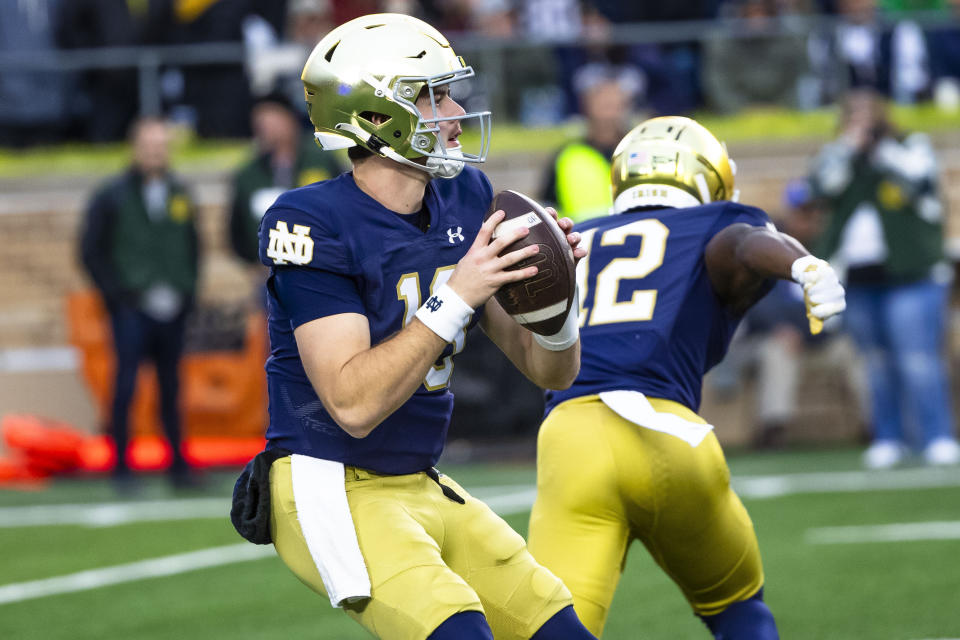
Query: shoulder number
{"type": "Point", "coordinates": [605, 308]}
{"type": "Point", "coordinates": [286, 247]}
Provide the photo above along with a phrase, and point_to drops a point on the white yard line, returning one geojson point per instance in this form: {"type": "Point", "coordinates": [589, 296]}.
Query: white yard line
{"type": "Point", "coordinates": [117, 574]}
{"type": "Point", "coordinates": [898, 532]}
{"type": "Point", "coordinates": [775, 486]}
{"type": "Point", "coordinates": [505, 500]}
{"type": "Point", "coordinates": [118, 513]}
{"type": "Point", "coordinates": [108, 514]}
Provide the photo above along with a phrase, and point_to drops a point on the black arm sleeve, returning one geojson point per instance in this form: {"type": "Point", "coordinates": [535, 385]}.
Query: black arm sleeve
{"type": "Point", "coordinates": [95, 246]}
{"type": "Point", "coordinates": [245, 247]}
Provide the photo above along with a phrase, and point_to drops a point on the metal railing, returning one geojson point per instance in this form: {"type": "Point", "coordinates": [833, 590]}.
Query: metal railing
{"type": "Point", "coordinates": [493, 54]}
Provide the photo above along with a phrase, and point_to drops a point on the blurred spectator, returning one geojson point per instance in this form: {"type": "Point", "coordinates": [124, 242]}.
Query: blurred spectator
{"type": "Point", "coordinates": [944, 42]}
{"type": "Point", "coordinates": [112, 99]}
{"type": "Point", "coordinates": [857, 51]}
{"type": "Point", "coordinates": [886, 228]}
{"type": "Point", "coordinates": [673, 68]}
{"type": "Point", "coordinates": [732, 79]}
{"type": "Point", "coordinates": [33, 103]}
{"type": "Point", "coordinates": [275, 63]}
{"type": "Point", "coordinates": [139, 245]}
{"type": "Point", "coordinates": [218, 94]}
{"type": "Point", "coordinates": [577, 181]}
{"type": "Point", "coordinates": [492, 18]}
{"type": "Point", "coordinates": [285, 157]}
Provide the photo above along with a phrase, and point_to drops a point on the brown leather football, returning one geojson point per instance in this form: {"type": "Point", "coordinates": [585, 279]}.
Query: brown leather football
{"type": "Point", "coordinates": [540, 303]}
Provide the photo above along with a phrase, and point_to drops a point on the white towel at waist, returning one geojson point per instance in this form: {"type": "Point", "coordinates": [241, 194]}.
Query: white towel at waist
{"type": "Point", "coordinates": [324, 515]}
{"type": "Point", "coordinates": [634, 406]}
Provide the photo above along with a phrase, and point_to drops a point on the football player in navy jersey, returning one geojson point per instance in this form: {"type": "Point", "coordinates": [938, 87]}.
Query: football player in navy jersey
{"type": "Point", "coordinates": [622, 454]}
{"type": "Point", "coordinates": [375, 278]}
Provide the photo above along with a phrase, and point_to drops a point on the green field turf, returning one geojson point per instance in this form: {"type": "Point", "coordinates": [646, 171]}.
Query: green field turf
{"type": "Point", "coordinates": [869, 590]}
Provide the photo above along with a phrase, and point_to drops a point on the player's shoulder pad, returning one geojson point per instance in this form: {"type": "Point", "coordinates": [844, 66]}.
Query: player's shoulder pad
{"type": "Point", "coordinates": [734, 212]}
{"type": "Point", "coordinates": [471, 184]}
{"type": "Point", "coordinates": [304, 227]}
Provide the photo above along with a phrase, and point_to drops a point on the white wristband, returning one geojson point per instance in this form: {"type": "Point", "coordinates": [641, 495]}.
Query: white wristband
{"type": "Point", "coordinates": [445, 313]}
{"type": "Point", "coordinates": [569, 333]}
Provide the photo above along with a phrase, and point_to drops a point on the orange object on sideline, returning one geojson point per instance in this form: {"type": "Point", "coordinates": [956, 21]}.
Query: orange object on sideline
{"type": "Point", "coordinates": [43, 447]}
{"type": "Point", "coordinates": [16, 473]}
{"type": "Point", "coordinates": [151, 453]}
{"type": "Point", "coordinates": [48, 446]}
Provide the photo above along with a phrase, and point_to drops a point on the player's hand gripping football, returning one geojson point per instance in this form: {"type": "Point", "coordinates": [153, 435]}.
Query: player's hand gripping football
{"type": "Point", "coordinates": [822, 291]}
{"type": "Point", "coordinates": [573, 237]}
{"type": "Point", "coordinates": [481, 271]}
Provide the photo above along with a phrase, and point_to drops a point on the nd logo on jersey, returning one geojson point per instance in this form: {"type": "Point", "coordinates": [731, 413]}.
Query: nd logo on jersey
{"type": "Point", "coordinates": [286, 247]}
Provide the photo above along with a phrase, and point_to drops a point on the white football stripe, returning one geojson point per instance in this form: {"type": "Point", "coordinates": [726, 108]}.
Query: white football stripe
{"type": "Point", "coordinates": [527, 220]}
{"type": "Point", "coordinates": [898, 532]}
{"type": "Point", "coordinates": [537, 315]}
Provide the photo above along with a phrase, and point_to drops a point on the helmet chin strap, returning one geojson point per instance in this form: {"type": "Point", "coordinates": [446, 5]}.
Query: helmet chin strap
{"type": "Point", "coordinates": [449, 167]}
{"type": "Point", "coordinates": [436, 167]}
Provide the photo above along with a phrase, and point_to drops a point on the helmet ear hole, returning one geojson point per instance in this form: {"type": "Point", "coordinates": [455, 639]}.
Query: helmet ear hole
{"type": "Point", "coordinates": [374, 117]}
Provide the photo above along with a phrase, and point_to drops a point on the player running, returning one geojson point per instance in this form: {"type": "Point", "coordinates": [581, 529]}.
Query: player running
{"type": "Point", "coordinates": [375, 278]}
{"type": "Point", "coordinates": [622, 454]}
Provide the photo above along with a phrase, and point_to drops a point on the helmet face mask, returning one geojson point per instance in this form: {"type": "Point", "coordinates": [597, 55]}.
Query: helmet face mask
{"type": "Point", "coordinates": [670, 161]}
{"type": "Point", "coordinates": [362, 84]}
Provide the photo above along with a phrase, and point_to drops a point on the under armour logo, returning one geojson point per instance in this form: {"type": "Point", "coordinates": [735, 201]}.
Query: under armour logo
{"type": "Point", "coordinates": [451, 234]}
{"type": "Point", "coordinates": [434, 303]}
{"type": "Point", "coordinates": [296, 247]}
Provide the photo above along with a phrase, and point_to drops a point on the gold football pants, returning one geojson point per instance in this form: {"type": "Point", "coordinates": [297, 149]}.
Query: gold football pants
{"type": "Point", "coordinates": [603, 482]}
{"type": "Point", "coordinates": [427, 556]}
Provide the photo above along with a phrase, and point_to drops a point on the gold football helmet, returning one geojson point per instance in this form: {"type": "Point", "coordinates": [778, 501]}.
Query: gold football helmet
{"type": "Point", "coordinates": [362, 82]}
{"type": "Point", "coordinates": [670, 161]}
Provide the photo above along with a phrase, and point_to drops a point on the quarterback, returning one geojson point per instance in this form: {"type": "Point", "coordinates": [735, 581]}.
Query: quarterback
{"type": "Point", "coordinates": [622, 454]}
{"type": "Point", "coordinates": [375, 277]}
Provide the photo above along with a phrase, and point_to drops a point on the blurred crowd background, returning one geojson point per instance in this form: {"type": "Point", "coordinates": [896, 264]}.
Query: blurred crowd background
{"type": "Point", "coordinates": [81, 72]}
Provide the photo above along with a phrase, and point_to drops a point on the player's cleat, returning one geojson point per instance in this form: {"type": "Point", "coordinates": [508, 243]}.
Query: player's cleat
{"type": "Point", "coordinates": [942, 452]}
{"type": "Point", "coordinates": [883, 454]}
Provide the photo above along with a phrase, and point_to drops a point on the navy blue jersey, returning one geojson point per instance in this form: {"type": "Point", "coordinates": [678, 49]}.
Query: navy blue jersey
{"type": "Point", "coordinates": [650, 318]}
{"type": "Point", "coordinates": [334, 249]}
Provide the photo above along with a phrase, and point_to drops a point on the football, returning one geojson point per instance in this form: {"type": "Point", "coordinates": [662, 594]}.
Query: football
{"type": "Point", "coordinates": [540, 303]}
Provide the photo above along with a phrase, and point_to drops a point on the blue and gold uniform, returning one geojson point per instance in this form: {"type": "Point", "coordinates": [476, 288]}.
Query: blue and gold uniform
{"type": "Point", "coordinates": [651, 324]}
{"type": "Point", "coordinates": [343, 252]}
{"type": "Point", "coordinates": [333, 249]}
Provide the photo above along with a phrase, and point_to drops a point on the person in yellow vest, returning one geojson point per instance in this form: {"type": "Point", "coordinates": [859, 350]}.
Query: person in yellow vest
{"type": "Point", "coordinates": [577, 181]}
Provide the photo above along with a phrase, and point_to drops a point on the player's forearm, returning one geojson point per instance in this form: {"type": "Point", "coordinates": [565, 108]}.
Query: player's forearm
{"type": "Point", "coordinates": [376, 382]}
{"type": "Point", "coordinates": [553, 369]}
{"type": "Point", "coordinates": [768, 253]}
{"type": "Point", "coordinates": [548, 369]}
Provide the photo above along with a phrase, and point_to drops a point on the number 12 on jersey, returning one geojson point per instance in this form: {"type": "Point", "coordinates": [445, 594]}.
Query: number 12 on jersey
{"type": "Point", "coordinates": [605, 308]}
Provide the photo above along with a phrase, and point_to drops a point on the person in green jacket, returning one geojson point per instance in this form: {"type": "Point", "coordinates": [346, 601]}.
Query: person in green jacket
{"type": "Point", "coordinates": [885, 229]}
{"type": "Point", "coordinates": [285, 157]}
{"type": "Point", "coordinates": [139, 246]}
